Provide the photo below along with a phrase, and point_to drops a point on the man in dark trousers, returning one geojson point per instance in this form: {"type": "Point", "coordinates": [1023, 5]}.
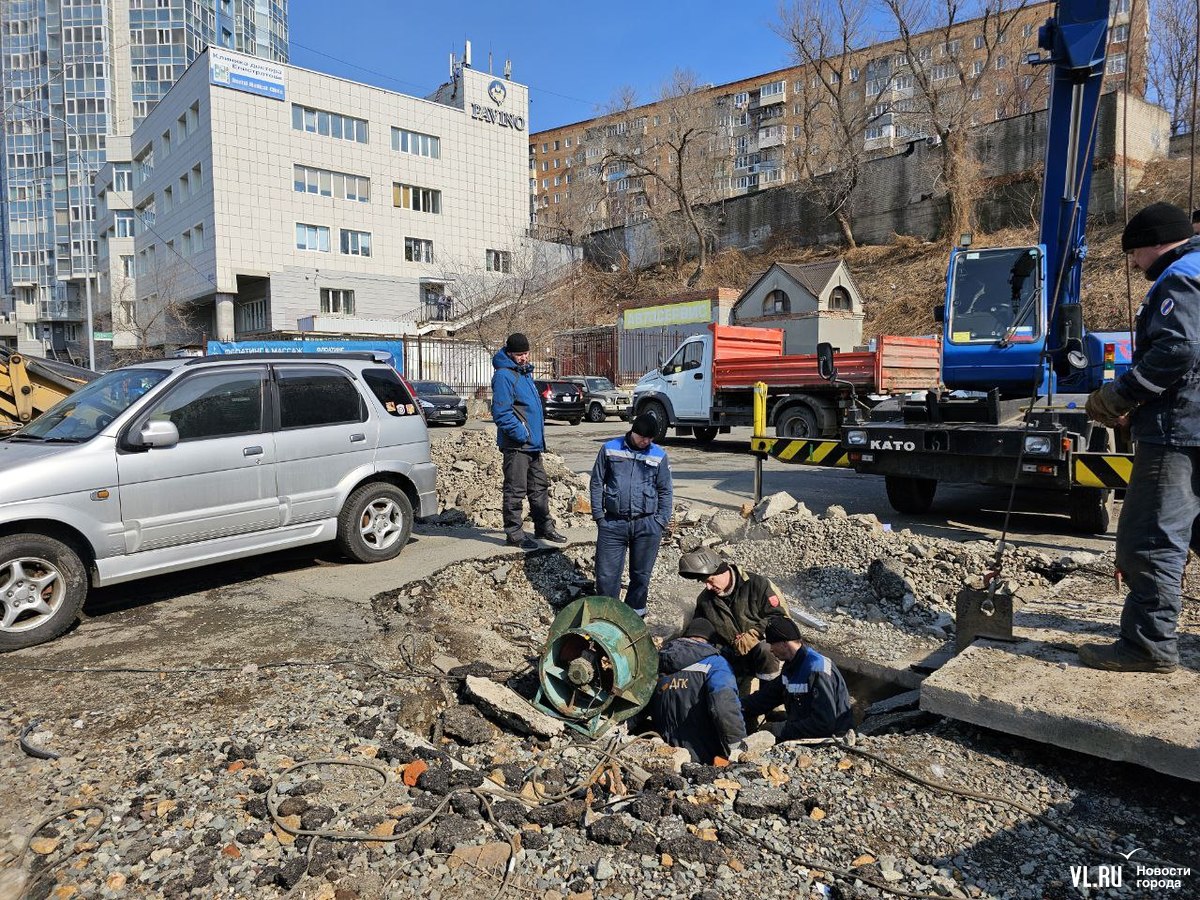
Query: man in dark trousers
{"type": "Point", "coordinates": [521, 436]}
{"type": "Point", "coordinates": [695, 703]}
{"type": "Point", "coordinates": [631, 503]}
{"type": "Point", "coordinates": [739, 604]}
{"type": "Point", "coordinates": [810, 687]}
{"type": "Point", "coordinates": [1159, 395]}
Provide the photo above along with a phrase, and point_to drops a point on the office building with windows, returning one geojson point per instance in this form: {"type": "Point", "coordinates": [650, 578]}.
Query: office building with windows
{"type": "Point", "coordinates": [273, 200]}
{"type": "Point", "coordinates": [77, 77]}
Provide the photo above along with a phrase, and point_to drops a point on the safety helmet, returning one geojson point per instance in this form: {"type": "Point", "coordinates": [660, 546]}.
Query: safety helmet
{"type": "Point", "coordinates": [700, 564]}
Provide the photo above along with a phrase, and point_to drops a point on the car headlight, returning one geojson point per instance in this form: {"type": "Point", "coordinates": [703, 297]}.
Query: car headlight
{"type": "Point", "coordinates": [425, 404]}
{"type": "Point", "coordinates": [857, 438]}
{"type": "Point", "coordinates": [462, 402]}
{"type": "Point", "coordinates": [1037, 444]}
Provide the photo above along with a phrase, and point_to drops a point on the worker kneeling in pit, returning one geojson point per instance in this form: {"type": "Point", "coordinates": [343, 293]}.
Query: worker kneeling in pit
{"type": "Point", "coordinates": [739, 604]}
{"type": "Point", "coordinates": [695, 703]}
{"type": "Point", "coordinates": [810, 687]}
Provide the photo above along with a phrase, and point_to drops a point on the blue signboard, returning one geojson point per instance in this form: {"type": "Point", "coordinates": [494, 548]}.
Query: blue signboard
{"type": "Point", "coordinates": [394, 349]}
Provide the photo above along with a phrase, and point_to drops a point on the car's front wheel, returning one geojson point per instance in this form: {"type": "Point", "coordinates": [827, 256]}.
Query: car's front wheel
{"type": "Point", "coordinates": [595, 413]}
{"type": "Point", "coordinates": [375, 523]}
{"type": "Point", "coordinates": [43, 584]}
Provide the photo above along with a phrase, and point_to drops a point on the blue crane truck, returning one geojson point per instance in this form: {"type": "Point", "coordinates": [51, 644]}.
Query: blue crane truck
{"type": "Point", "coordinates": [1017, 362]}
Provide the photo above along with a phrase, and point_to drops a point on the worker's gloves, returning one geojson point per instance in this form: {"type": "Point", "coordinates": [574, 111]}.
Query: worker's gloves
{"type": "Point", "coordinates": [746, 641]}
{"type": "Point", "coordinates": [1107, 405]}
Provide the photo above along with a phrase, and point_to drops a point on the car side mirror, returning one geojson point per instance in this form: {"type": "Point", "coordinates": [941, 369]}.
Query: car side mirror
{"type": "Point", "coordinates": [159, 434]}
{"type": "Point", "coordinates": [825, 367]}
{"type": "Point", "coordinates": [939, 313]}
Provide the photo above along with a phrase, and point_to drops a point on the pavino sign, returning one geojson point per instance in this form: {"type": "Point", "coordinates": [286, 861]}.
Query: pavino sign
{"type": "Point", "coordinates": [246, 73]}
{"type": "Point", "coordinates": [498, 93]}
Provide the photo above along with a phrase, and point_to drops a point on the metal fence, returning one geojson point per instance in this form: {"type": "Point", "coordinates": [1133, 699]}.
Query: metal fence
{"type": "Point", "coordinates": [587, 351]}
{"type": "Point", "coordinates": [464, 365]}
{"type": "Point", "coordinates": [643, 349]}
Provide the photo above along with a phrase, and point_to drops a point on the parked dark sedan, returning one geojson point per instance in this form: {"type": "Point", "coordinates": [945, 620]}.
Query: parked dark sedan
{"type": "Point", "coordinates": [562, 400]}
{"type": "Point", "coordinates": [440, 403]}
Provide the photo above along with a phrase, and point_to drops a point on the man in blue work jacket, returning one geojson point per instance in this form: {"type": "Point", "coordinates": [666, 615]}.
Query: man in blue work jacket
{"type": "Point", "coordinates": [631, 503]}
{"type": "Point", "coordinates": [1159, 395]}
{"type": "Point", "coordinates": [521, 437]}
{"type": "Point", "coordinates": [809, 686]}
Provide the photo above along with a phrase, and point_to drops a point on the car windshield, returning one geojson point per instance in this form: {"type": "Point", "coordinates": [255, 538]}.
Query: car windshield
{"type": "Point", "coordinates": [84, 414]}
{"type": "Point", "coordinates": [434, 388]}
{"type": "Point", "coordinates": [599, 384]}
{"type": "Point", "coordinates": [995, 295]}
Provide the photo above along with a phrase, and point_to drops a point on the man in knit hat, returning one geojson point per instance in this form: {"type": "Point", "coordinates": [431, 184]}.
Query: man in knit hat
{"type": "Point", "coordinates": [1159, 397]}
{"type": "Point", "coordinates": [521, 437]}
{"type": "Point", "coordinates": [810, 687]}
{"type": "Point", "coordinates": [631, 497]}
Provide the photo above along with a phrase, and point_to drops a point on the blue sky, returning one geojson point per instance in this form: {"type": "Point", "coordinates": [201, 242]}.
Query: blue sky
{"type": "Point", "coordinates": [574, 56]}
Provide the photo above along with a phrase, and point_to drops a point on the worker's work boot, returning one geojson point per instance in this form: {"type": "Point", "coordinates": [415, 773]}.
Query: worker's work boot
{"type": "Point", "coordinates": [1115, 658]}
{"type": "Point", "coordinates": [522, 540]}
{"type": "Point", "coordinates": [552, 536]}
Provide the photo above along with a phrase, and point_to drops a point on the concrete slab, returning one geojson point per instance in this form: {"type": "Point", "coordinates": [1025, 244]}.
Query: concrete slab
{"type": "Point", "coordinates": [1036, 687]}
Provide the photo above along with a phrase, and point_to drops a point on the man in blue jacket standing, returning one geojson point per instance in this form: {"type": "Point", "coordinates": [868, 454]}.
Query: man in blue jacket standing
{"type": "Point", "coordinates": [1160, 395]}
{"type": "Point", "coordinates": [631, 503]}
{"type": "Point", "coordinates": [695, 703]}
{"type": "Point", "coordinates": [809, 686]}
{"type": "Point", "coordinates": [521, 436]}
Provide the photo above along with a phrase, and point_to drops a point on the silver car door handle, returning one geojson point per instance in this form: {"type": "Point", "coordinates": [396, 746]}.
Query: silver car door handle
{"type": "Point", "coordinates": [252, 451]}
{"type": "Point", "coordinates": [357, 438]}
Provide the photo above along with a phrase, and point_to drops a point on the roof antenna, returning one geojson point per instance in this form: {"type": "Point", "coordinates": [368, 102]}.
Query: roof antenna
{"type": "Point", "coordinates": [508, 70]}
{"type": "Point", "coordinates": [489, 62]}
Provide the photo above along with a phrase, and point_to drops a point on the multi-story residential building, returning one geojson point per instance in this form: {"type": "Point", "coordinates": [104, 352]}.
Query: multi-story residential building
{"type": "Point", "coordinates": [272, 200]}
{"type": "Point", "coordinates": [77, 76]}
{"type": "Point", "coordinates": [774, 128]}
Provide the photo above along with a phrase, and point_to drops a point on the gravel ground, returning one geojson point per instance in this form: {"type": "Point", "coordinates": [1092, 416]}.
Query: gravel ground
{"type": "Point", "coordinates": [185, 784]}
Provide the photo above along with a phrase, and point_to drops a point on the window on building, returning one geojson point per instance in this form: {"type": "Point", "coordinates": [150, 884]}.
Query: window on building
{"type": "Point", "coordinates": [416, 143]}
{"type": "Point", "coordinates": [356, 243]}
{"type": "Point", "coordinates": [499, 261]}
{"type": "Point", "coordinates": [418, 199]}
{"type": "Point", "coordinates": [839, 298]}
{"type": "Point", "coordinates": [123, 220]}
{"type": "Point", "coordinates": [308, 180]}
{"type": "Point", "coordinates": [418, 250]}
{"type": "Point", "coordinates": [1120, 34]}
{"type": "Point", "coordinates": [122, 177]}
{"type": "Point", "coordinates": [335, 125]}
{"type": "Point", "coordinates": [1001, 62]}
{"type": "Point", "coordinates": [980, 42]}
{"type": "Point", "coordinates": [312, 237]}
{"type": "Point", "coordinates": [127, 266]}
{"type": "Point", "coordinates": [776, 303]}
{"type": "Point", "coordinates": [337, 302]}
{"type": "Point", "coordinates": [774, 89]}
{"type": "Point", "coordinates": [250, 316]}
{"type": "Point", "coordinates": [1115, 64]}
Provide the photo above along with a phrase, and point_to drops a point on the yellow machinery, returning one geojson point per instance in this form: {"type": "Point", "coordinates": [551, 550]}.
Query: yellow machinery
{"type": "Point", "coordinates": [29, 386]}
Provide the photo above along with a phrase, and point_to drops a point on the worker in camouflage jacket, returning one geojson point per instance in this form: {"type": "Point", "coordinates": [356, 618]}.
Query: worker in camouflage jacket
{"type": "Point", "coordinates": [695, 703]}
{"type": "Point", "coordinates": [1159, 397]}
{"type": "Point", "coordinates": [739, 604]}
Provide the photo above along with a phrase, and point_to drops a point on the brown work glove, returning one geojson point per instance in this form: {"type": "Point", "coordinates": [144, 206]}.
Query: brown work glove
{"type": "Point", "coordinates": [746, 641]}
{"type": "Point", "coordinates": [1107, 405]}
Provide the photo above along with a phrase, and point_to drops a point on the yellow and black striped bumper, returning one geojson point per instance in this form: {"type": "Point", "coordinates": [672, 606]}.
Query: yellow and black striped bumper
{"type": "Point", "coordinates": [1103, 470]}
{"type": "Point", "coordinates": [802, 452]}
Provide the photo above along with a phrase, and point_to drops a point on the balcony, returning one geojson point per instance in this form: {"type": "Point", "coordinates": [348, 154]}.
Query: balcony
{"type": "Point", "coordinates": [61, 311]}
{"type": "Point", "coordinates": [769, 137]}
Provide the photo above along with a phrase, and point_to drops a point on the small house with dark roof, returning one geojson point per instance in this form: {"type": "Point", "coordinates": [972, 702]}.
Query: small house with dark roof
{"type": "Point", "coordinates": [811, 303]}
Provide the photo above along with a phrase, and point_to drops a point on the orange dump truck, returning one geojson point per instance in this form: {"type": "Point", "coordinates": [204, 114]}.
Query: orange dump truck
{"type": "Point", "coordinates": [707, 386]}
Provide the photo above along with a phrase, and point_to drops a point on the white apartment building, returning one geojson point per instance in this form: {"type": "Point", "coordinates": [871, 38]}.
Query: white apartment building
{"type": "Point", "coordinates": [270, 200]}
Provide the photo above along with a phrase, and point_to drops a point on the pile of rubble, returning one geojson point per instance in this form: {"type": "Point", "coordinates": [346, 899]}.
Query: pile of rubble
{"type": "Point", "coordinates": [471, 475]}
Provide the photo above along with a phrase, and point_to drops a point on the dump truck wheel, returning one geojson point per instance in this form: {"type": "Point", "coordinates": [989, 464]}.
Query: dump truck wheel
{"type": "Point", "coordinates": [659, 413]}
{"type": "Point", "coordinates": [797, 422]}
{"type": "Point", "coordinates": [43, 583]}
{"type": "Point", "coordinates": [911, 496]}
{"type": "Point", "coordinates": [1090, 509]}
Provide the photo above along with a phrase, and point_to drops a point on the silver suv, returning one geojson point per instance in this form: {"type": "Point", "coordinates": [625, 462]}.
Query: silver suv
{"type": "Point", "coordinates": [177, 463]}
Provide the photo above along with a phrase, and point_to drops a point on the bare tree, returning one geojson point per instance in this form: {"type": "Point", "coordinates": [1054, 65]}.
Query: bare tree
{"type": "Point", "coordinates": [666, 165]}
{"type": "Point", "coordinates": [828, 159]}
{"type": "Point", "coordinates": [1172, 65]}
{"type": "Point", "coordinates": [156, 318]}
{"type": "Point", "coordinates": [952, 62]}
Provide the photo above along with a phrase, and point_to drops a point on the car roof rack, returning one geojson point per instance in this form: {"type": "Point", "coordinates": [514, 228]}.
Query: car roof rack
{"type": "Point", "coordinates": [378, 356]}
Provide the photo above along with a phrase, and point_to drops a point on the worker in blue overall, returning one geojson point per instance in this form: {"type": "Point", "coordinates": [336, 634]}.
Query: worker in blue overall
{"type": "Point", "coordinates": [631, 502]}
{"type": "Point", "coordinates": [1159, 397]}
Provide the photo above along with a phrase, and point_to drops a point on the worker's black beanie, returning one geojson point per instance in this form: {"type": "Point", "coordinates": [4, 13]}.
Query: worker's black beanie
{"type": "Point", "coordinates": [701, 628]}
{"type": "Point", "coordinates": [781, 628]}
{"type": "Point", "coordinates": [645, 425]}
{"type": "Point", "coordinates": [517, 343]}
{"type": "Point", "coordinates": [1158, 223]}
